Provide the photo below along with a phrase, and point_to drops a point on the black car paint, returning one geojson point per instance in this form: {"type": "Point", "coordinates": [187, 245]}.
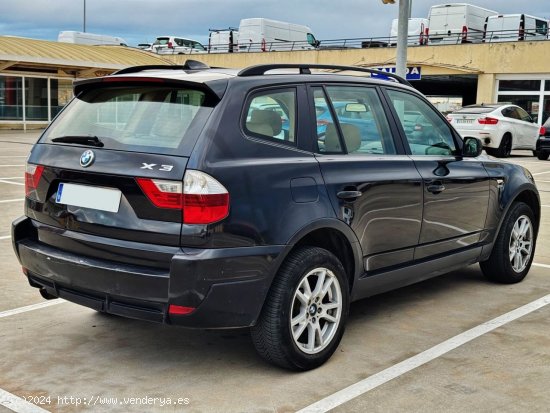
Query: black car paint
{"type": "Point", "coordinates": [135, 268]}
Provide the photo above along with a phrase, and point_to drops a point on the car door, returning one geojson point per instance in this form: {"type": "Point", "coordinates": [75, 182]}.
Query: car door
{"type": "Point", "coordinates": [373, 186]}
{"type": "Point", "coordinates": [529, 130]}
{"type": "Point", "coordinates": [455, 189]}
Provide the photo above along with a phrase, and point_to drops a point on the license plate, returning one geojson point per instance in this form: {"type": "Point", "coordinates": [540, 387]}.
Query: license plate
{"type": "Point", "coordinates": [464, 121]}
{"type": "Point", "coordinates": [103, 199]}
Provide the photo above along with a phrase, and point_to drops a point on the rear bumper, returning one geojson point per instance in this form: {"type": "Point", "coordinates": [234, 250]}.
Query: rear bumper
{"type": "Point", "coordinates": [488, 137]}
{"type": "Point", "coordinates": [227, 287]}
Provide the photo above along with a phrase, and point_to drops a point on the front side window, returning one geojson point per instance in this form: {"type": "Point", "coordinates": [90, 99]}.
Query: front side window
{"type": "Point", "coordinates": [426, 132]}
{"type": "Point", "coordinates": [361, 125]}
{"type": "Point", "coordinates": [272, 115]}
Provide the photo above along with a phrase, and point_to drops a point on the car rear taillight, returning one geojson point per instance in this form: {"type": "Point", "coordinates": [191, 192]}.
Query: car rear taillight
{"type": "Point", "coordinates": [464, 34]}
{"type": "Point", "coordinates": [487, 121]}
{"type": "Point", "coordinates": [202, 199]}
{"type": "Point", "coordinates": [163, 194]}
{"type": "Point", "coordinates": [180, 310]}
{"type": "Point", "coordinates": [170, 45]}
{"type": "Point", "coordinates": [322, 122]}
{"type": "Point", "coordinates": [542, 131]}
{"type": "Point", "coordinates": [32, 178]}
{"type": "Point", "coordinates": [205, 200]}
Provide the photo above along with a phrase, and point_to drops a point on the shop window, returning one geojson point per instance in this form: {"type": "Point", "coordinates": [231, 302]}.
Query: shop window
{"type": "Point", "coordinates": [519, 85]}
{"type": "Point", "coordinates": [11, 98]}
{"type": "Point", "coordinates": [61, 93]}
{"type": "Point", "coordinates": [36, 99]}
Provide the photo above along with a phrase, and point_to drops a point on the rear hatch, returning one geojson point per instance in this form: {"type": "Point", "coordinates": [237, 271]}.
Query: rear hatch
{"type": "Point", "coordinates": [106, 176]}
{"type": "Point", "coordinates": [468, 118]}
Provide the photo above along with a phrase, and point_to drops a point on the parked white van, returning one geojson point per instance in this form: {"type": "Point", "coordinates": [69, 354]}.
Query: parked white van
{"type": "Point", "coordinates": [90, 39]}
{"type": "Point", "coordinates": [223, 41]}
{"type": "Point", "coordinates": [515, 27]}
{"type": "Point", "coordinates": [418, 31]}
{"type": "Point", "coordinates": [265, 35]}
{"type": "Point", "coordinates": [457, 23]}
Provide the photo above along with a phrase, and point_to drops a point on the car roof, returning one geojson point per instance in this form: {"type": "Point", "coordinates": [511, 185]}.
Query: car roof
{"type": "Point", "coordinates": [197, 72]}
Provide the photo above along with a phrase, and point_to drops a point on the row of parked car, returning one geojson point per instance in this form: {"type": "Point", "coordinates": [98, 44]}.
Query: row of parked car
{"type": "Point", "coordinates": [466, 23]}
{"type": "Point", "coordinates": [255, 34]}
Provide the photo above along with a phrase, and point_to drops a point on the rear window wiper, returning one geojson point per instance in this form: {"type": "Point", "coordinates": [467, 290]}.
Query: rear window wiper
{"type": "Point", "coordinates": [83, 140]}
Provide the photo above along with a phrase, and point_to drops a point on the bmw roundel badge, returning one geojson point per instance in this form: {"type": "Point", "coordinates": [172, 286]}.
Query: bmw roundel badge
{"type": "Point", "coordinates": [87, 158]}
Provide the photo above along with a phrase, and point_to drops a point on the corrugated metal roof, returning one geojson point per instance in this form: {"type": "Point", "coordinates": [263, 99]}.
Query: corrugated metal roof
{"type": "Point", "coordinates": [19, 49]}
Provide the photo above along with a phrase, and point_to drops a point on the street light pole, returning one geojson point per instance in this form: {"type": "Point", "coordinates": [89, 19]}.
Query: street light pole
{"type": "Point", "coordinates": [402, 37]}
{"type": "Point", "coordinates": [84, 24]}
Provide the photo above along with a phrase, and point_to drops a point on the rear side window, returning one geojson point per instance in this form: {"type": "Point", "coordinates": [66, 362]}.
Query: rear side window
{"type": "Point", "coordinates": [143, 119]}
{"type": "Point", "coordinates": [272, 115]}
{"type": "Point", "coordinates": [426, 132]}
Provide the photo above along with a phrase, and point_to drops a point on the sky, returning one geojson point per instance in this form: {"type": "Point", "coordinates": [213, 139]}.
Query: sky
{"type": "Point", "coordinates": [141, 21]}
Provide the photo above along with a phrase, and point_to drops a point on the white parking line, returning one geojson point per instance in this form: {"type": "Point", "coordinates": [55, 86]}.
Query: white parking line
{"type": "Point", "coordinates": [11, 200]}
{"type": "Point", "coordinates": [378, 379]}
{"type": "Point", "coordinates": [540, 265]}
{"type": "Point", "coordinates": [5, 166]}
{"type": "Point", "coordinates": [13, 156]}
{"type": "Point", "coordinates": [12, 183]}
{"type": "Point", "coordinates": [541, 173]}
{"type": "Point", "coordinates": [31, 307]}
{"type": "Point", "coordinates": [5, 237]}
{"type": "Point", "coordinates": [546, 206]}
{"type": "Point", "coordinates": [12, 177]}
{"type": "Point", "coordinates": [17, 404]}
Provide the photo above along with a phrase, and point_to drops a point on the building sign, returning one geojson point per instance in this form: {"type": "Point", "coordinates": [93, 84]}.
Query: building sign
{"type": "Point", "coordinates": [413, 72]}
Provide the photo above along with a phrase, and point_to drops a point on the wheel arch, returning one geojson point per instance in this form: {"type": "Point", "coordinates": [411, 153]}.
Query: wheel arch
{"type": "Point", "coordinates": [525, 193]}
{"type": "Point", "coordinates": [331, 234]}
{"type": "Point", "coordinates": [336, 237]}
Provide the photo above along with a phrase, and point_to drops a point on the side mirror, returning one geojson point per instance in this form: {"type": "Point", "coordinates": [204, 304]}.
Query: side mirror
{"type": "Point", "coordinates": [472, 147]}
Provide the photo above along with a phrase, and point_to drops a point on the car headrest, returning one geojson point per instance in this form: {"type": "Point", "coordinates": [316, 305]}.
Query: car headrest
{"type": "Point", "coordinates": [262, 118]}
{"type": "Point", "coordinates": [352, 137]}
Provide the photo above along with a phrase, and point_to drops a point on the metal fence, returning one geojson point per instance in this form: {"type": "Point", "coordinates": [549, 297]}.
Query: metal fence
{"type": "Point", "coordinates": [386, 41]}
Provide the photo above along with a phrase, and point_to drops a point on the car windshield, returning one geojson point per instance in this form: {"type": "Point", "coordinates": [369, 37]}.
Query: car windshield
{"type": "Point", "coordinates": [154, 119]}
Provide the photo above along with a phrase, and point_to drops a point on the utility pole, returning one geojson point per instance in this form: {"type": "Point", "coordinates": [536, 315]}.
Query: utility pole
{"type": "Point", "coordinates": [84, 24]}
{"type": "Point", "coordinates": [402, 38]}
{"type": "Point", "coordinates": [402, 35]}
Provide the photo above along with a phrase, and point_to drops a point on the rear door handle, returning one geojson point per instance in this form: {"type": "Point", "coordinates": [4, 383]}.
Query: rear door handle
{"type": "Point", "coordinates": [349, 195]}
{"type": "Point", "coordinates": [436, 188]}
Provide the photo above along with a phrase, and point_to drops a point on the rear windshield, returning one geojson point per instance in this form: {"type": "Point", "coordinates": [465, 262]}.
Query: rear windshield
{"type": "Point", "coordinates": [154, 119]}
{"type": "Point", "coordinates": [476, 109]}
{"type": "Point", "coordinates": [162, 40]}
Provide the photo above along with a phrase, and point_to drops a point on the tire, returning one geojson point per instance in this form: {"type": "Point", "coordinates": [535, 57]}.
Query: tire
{"type": "Point", "coordinates": [506, 269]}
{"type": "Point", "coordinates": [505, 147]}
{"type": "Point", "coordinates": [543, 156]}
{"type": "Point", "coordinates": [273, 335]}
{"type": "Point", "coordinates": [535, 153]}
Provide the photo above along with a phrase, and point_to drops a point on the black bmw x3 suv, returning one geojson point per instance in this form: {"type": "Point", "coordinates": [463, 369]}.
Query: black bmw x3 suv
{"type": "Point", "coordinates": [268, 198]}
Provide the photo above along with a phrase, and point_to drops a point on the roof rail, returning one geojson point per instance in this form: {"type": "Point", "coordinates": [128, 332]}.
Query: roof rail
{"type": "Point", "coordinates": [305, 70]}
{"type": "Point", "coordinates": [188, 65]}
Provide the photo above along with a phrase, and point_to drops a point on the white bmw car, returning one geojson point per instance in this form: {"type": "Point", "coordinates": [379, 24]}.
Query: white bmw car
{"type": "Point", "coordinates": [501, 127]}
